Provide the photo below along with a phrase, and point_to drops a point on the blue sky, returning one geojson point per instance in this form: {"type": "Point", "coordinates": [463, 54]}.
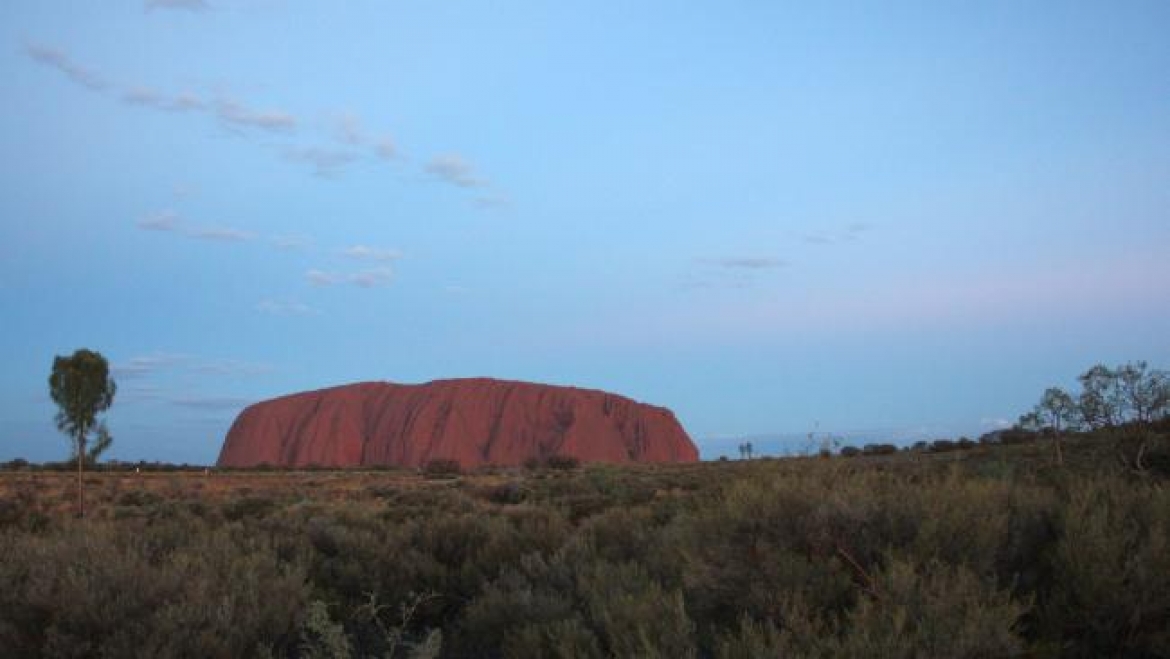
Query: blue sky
{"type": "Point", "coordinates": [887, 220]}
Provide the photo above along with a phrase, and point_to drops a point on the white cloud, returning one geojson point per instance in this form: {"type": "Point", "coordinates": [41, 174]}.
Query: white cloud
{"type": "Point", "coordinates": [236, 114]}
{"type": "Point", "coordinates": [58, 60]}
{"type": "Point", "coordinates": [145, 365]}
{"type": "Point", "coordinates": [386, 148]}
{"type": "Point", "coordinates": [220, 234]}
{"type": "Point", "coordinates": [188, 5]}
{"type": "Point", "coordinates": [288, 307]}
{"type": "Point", "coordinates": [366, 253]}
{"type": "Point", "coordinates": [169, 220]}
{"type": "Point", "coordinates": [292, 241]}
{"type": "Point", "coordinates": [452, 168]}
{"type": "Point", "coordinates": [348, 130]}
{"type": "Point", "coordinates": [158, 362]}
{"type": "Point", "coordinates": [325, 162]}
{"type": "Point", "coordinates": [729, 271]}
{"type": "Point", "coordinates": [492, 202]}
{"type": "Point", "coordinates": [183, 102]}
{"type": "Point", "coordinates": [322, 278]}
{"type": "Point", "coordinates": [371, 278]}
{"type": "Point", "coordinates": [835, 236]}
{"type": "Point", "coordinates": [165, 220]}
{"type": "Point", "coordinates": [746, 262]}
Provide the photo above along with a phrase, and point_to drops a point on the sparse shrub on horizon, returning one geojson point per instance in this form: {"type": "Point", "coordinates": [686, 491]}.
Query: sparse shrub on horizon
{"type": "Point", "coordinates": [442, 468]}
{"type": "Point", "coordinates": [562, 462]}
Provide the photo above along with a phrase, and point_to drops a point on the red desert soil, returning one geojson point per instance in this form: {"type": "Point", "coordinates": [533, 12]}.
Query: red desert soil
{"type": "Point", "coordinates": [474, 421]}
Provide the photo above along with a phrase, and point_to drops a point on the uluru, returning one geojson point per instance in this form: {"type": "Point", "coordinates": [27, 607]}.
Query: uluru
{"type": "Point", "coordinates": [475, 421]}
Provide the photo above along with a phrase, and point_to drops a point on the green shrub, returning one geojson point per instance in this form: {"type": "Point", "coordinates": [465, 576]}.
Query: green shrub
{"type": "Point", "coordinates": [442, 468]}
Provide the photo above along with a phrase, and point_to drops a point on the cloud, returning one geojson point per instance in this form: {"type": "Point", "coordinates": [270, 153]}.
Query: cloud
{"type": "Point", "coordinates": [184, 102]}
{"type": "Point", "coordinates": [230, 367]}
{"type": "Point", "coordinates": [158, 362]}
{"type": "Point", "coordinates": [325, 162]}
{"type": "Point", "coordinates": [217, 403]}
{"type": "Point", "coordinates": [365, 253]}
{"type": "Point", "coordinates": [234, 113]}
{"type": "Point", "coordinates": [165, 220]}
{"type": "Point", "coordinates": [348, 130]}
{"type": "Point", "coordinates": [371, 278]}
{"type": "Point", "coordinates": [56, 59]}
{"type": "Point", "coordinates": [452, 168]}
{"type": "Point", "coordinates": [386, 149]}
{"type": "Point", "coordinates": [491, 202]}
{"type": "Point", "coordinates": [730, 271]}
{"type": "Point", "coordinates": [220, 234]}
{"type": "Point", "coordinates": [285, 308]}
{"type": "Point", "coordinates": [322, 278]}
{"type": "Point", "coordinates": [746, 262]}
{"type": "Point", "coordinates": [291, 241]}
{"type": "Point", "coordinates": [168, 220]}
{"type": "Point", "coordinates": [188, 5]}
{"type": "Point", "coordinates": [144, 365]}
{"type": "Point", "coordinates": [835, 236]}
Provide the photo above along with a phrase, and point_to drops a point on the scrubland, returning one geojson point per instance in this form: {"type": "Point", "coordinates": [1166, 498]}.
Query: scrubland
{"type": "Point", "coordinates": [991, 551]}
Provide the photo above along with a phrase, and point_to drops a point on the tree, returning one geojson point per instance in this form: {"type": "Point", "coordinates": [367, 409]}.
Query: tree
{"type": "Point", "coordinates": [1100, 401]}
{"type": "Point", "coordinates": [1056, 411]}
{"type": "Point", "coordinates": [82, 389]}
{"type": "Point", "coordinates": [1146, 393]}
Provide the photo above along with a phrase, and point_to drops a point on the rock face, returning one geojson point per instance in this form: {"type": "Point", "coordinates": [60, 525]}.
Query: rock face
{"type": "Point", "coordinates": [475, 421]}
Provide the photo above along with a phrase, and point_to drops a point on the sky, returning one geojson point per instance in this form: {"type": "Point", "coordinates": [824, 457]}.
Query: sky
{"type": "Point", "coordinates": [881, 220]}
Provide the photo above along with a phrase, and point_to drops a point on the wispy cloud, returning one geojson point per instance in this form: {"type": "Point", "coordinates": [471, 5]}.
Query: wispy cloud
{"type": "Point", "coordinates": [215, 403]}
{"type": "Point", "coordinates": [492, 202]}
{"type": "Point", "coordinates": [288, 307]}
{"type": "Point", "coordinates": [371, 278]}
{"type": "Point", "coordinates": [366, 253]}
{"type": "Point", "coordinates": [240, 117]}
{"type": "Point", "coordinates": [145, 97]}
{"type": "Point", "coordinates": [58, 60]}
{"type": "Point", "coordinates": [325, 162]}
{"type": "Point", "coordinates": [746, 262]}
{"type": "Point", "coordinates": [835, 236]}
{"type": "Point", "coordinates": [234, 113]}
{"type": "Point", "coordinates": [188, 5]}
{"type": "Point", "coordinates": [729, 271]}
{"type": "Point", "coordinates": [165, 220]}
{"type": "Point", "coordinates": [230, 367]}
{"type": "Point", "coordinates": [169, 220]}
{"type": "Point", "coordinates": [221, 234]}
{"type": "Point", "coordinates": [144, 365]}
{"type": "Point", "coordinates": [348, 130]}
{"type": "Point", "coordinates": [291, 242]}
{"type": "Point", "coordinates": [158, 362]}
{"type": "Point", "coordinates": [386, 148]}
{"type": "Point", "coordinates": [452, 168]}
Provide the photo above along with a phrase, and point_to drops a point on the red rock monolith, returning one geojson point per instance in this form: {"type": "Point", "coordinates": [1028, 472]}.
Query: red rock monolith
{"type": "Point", "coordinates": [475, 421]}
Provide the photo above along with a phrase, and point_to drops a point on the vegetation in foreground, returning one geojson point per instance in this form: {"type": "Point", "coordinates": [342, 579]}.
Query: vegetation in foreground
{"type": "Point", "coordinates": [989, 551]}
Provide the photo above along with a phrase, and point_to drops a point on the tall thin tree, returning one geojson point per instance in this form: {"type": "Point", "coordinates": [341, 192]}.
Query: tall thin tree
{"type": "Point", "coordinates": [82, 388]}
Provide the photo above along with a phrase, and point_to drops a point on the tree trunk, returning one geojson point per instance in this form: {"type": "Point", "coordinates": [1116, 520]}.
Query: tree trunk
{"type": "Point", "coordinates": [80, 479]}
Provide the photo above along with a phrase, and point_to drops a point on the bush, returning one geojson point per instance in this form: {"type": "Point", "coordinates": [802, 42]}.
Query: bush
{"type": "Point", "coordinates": [562, 462]}
{"type": "Point", "coordinates": [442, 468]}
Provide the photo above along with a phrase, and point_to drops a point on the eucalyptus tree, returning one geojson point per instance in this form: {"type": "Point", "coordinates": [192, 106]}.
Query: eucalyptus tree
{"type": "Point", "coordinates": [82, 388]}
